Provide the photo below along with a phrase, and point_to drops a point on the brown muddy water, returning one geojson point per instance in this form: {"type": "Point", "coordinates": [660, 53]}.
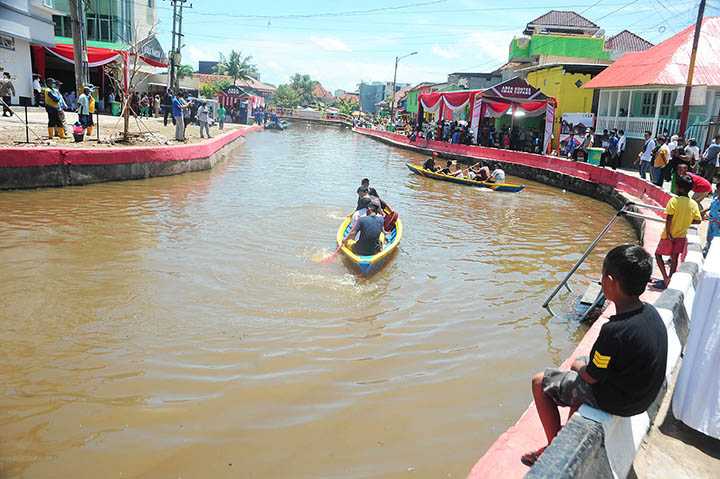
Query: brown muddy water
{"type": "Point", "coordinates": [180, 327]}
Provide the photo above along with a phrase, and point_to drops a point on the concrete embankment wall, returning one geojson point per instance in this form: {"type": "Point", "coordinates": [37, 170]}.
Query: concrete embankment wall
{"type": "Point", "coordinates": [35, 167]}
{"type": "Point", "coordinates": [579, 450]}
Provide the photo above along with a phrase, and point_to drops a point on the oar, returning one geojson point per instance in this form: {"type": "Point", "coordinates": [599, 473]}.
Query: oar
{"type": "Point", "coordinates": [329, 258]}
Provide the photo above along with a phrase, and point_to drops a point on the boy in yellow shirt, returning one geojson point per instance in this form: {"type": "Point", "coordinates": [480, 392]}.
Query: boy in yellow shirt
{"type": "Point", "coordinates": [681, 212]}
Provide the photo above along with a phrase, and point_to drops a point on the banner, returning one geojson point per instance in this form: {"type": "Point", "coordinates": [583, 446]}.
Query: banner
{"type": "Point", "coordinates": [549, 121]}
{"type": "Point", "coordinates": [477, 107]}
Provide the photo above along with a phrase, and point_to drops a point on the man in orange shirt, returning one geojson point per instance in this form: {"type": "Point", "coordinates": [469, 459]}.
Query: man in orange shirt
{"type": "Point", "coordinates": [662, 157]}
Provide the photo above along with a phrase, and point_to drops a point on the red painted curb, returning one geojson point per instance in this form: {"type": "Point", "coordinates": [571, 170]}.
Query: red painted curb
{"type": "Point", "coordinates": [502, 459]}
{"type": "Point", "coordinates": [20, 157]}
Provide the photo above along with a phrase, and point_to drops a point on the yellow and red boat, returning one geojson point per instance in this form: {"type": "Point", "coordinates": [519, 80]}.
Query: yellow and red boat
{"type": "Point", "coordinates": [508, 187]}
{"type": "Point", "coordinates": [367, 265]}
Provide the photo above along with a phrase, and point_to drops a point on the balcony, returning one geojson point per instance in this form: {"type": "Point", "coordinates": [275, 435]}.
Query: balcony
{"type": "Point", "coordinates": [635, 127]}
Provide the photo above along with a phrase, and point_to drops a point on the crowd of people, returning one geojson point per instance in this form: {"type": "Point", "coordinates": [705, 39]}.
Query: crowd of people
{"type": "Point", "coordinates": [612, 142]}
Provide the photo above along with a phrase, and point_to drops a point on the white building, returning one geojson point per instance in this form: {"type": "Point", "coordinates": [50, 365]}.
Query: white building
{"type": "Point", "coordinates": [22, 23]}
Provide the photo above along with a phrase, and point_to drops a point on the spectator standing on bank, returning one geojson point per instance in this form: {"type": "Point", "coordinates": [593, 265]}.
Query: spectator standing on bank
{"type": "Point", "coordinates": [37, 89]}
{"type": "Point", "coordinates": [645, 157]}
{"type": "Point", "coordinates": [156, 106]}
{"type": "Point", "coordinates": [713, 217]}
{"type": "Point", "coordinates": [681, 212]}
{"type": "Point", "coordinates": [626, 367]}
{"type": "Point", "coordinates": [178, 105]}
{"type": "Point", "coordinates": [621, 146]}
{"type": "Point", "coordinates": [167, 106]}
{"type": "Point", "coordinates": [7, 91]}
{"type": "Point", "coordinates": [692, 152]}
{"type": "Point", "coordinates": [710, 161]}
{"type": "Point", "coordinates": [662, 158]}
{"type": "Point", "coordinates": [83, 109]}
{"type": "Point", "coordinates": [203, 116]}
{"type": "Point", "coordinates": [221, 116]}
{"type": "Point", "coordinates": [612, 150]}
{"type": "Point", "coordinates": [53, 106]}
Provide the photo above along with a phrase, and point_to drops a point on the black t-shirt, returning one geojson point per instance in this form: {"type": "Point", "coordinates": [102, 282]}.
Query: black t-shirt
{"type": "Point", "coordinates": [629, 360]}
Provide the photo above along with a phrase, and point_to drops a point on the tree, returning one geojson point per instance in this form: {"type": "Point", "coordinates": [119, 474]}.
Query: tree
{"type": "Point", "coordinates": [209, 90]}
{"type": "Point", "coordinates": [286, 97]}
{"type": "Point", "coordinates": [304, 86]}
{"type": "Point", "coordinates": [185, 71]}
{"type": "Point", "coordinates": [346, 107]}
{"type": "Point", "coordinates": [237, 66]}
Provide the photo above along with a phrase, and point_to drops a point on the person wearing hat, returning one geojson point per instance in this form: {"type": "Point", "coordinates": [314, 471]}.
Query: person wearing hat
{"type": "Point", "coordinates": [53, 106]}
{"type": "Point", "coordinates": [370, 228]}
{"type": "Point", "coordinates": [84, 113]}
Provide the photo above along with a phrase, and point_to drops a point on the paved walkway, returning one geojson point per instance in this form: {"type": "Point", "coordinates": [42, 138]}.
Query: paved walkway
{"type": "Point", "coordinates": [673, 450]}
{"type": "Point", "coordinates": [145, 131]}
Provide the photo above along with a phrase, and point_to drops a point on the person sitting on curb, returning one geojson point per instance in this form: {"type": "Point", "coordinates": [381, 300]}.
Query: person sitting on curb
{"type": "Point", "coordinates": [681, 212]}
{"type": "Point", "coordinates": [626, 367]}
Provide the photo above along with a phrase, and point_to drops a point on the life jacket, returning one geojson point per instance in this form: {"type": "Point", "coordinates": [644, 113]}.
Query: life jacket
{"type": "Point", "coordinates": [390, 220]}
{"type": "Point", "coordinates": [52, 99]}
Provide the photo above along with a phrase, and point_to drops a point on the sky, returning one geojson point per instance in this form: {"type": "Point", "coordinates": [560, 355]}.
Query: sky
{"type": "Point", "coordinates": [344, 42]}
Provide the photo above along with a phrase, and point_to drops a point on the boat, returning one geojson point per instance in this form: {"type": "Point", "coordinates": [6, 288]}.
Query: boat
{"type": "Point", "coordinates": [367, 265]}
{"type": "Point", "coordinates": [276, 125]}
{"type": "Point", "coordinates": [507, 187]}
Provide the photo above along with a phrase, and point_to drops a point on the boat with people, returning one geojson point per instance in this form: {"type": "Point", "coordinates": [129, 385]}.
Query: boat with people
{"type": "Point", "coordinates": [493, 185]}
{"type": "Point", "coordinates": [276, 125]}
{"type": "Point", "coordinates": [368, 265]}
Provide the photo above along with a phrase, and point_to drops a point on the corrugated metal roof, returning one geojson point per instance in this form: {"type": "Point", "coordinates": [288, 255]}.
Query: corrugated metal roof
{"type": "Point", "coordinates": [563, 19]}
{"type": "Point", "coordinates": [627, 41]}
{"type": "Point", "coordinates": [667, 63]}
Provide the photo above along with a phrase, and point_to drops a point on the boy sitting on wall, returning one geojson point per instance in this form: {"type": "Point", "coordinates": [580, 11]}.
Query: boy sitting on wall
{"type": "Point", "coordinates": [627, 362]}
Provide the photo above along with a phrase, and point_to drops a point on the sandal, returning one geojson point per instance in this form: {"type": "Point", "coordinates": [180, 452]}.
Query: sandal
{"type": "Point", "coordinates": [530, 458]}
{"type": "Point", "coordinates": [659, 284]}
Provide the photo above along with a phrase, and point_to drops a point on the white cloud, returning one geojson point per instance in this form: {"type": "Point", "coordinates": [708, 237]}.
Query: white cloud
{"type": "Point", "coordinates": [445, 52]}
{"type": "Point", "coordinates": [330, 44]}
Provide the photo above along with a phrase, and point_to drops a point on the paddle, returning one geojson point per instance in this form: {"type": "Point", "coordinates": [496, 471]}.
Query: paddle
{"type": "Point", "coordinates": [329, 258]}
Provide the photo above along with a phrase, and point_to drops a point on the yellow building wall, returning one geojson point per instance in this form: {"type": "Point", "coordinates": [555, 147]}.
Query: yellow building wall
{"type": "Point", "coordinates": [562, 86]}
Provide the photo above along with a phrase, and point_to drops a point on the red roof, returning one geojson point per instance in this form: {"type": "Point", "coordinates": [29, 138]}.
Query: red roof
{"type": "Point", "coordinates": [667, 63]}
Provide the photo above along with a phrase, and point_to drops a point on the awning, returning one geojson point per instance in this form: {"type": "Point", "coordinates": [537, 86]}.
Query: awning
{"type": "Point", "coordinates": [96, 56]}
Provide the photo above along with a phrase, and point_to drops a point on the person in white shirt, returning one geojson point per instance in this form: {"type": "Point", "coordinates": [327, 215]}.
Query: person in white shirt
{"type": "Point", "coordinates": [645, 158]}
{"type": "Point", "coordinates": [621, 145]}
{"type": "Point", "coordinates": [203, 116]}
{"type": "Point", "coordinates": [497, 176]}
{"type": "Point", "coordinates": [37, 89]}
{"type": "Point", "coordinates": [673, 143]}
{"type": "Point", "coordinates": [692, 153]}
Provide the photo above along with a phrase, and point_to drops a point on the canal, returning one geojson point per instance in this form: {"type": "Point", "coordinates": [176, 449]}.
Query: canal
{"type": "Point", "coordinates": [182, 326]}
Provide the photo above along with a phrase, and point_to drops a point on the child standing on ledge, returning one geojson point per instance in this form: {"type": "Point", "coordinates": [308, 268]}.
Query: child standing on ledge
{"type": "Point", "coordinates": [627, 362]}
{"type": "Point", "coordinates": [681, 212]}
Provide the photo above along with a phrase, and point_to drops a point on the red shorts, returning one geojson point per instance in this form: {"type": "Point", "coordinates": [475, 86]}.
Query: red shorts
{"type": "Point", "coordinates": [671, 247]}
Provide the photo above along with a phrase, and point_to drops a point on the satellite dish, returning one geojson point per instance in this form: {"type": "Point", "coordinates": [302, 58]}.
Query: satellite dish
{"type": "Point", "coordinates": [600, 33]}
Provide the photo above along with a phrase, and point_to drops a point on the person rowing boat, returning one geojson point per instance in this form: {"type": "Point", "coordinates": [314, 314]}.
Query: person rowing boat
{"type": "Point", "coordinates": [369, 228]}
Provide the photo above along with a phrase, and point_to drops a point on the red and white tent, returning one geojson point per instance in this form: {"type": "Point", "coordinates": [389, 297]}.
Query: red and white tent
{"type": "Point", "coordinates": [514, 94]}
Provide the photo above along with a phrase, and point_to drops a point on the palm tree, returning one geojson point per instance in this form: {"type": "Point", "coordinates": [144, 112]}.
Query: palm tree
{"type": "Point", "coordinates": [237, 66]}
{"type": "Point", "coordinates": [304, 86]}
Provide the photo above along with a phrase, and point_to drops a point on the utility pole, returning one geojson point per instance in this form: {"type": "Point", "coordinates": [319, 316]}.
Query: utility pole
{"type": "Point", "coordinates": [392, 105]}
{"type": "Point", "coordinates": [177, 38]}
{"type": "Point", "coordinates": [691, 70]}
{"type": "Point", "coordinates": [77, 18]}
{"type": "Point", "coordinates": [171, 75]}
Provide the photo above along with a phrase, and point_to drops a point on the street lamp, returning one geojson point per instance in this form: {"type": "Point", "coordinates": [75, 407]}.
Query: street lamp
{"type": "Point", "coordinates": [392, 105]}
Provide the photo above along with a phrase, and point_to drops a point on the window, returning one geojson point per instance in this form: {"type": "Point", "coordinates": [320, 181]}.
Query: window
{"type": "Point", "coordinates": [666, 103]}
{"type": "Point", "coordinates": [649, 102]}
{"type": "Point", "coordinates": [63, 27]}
